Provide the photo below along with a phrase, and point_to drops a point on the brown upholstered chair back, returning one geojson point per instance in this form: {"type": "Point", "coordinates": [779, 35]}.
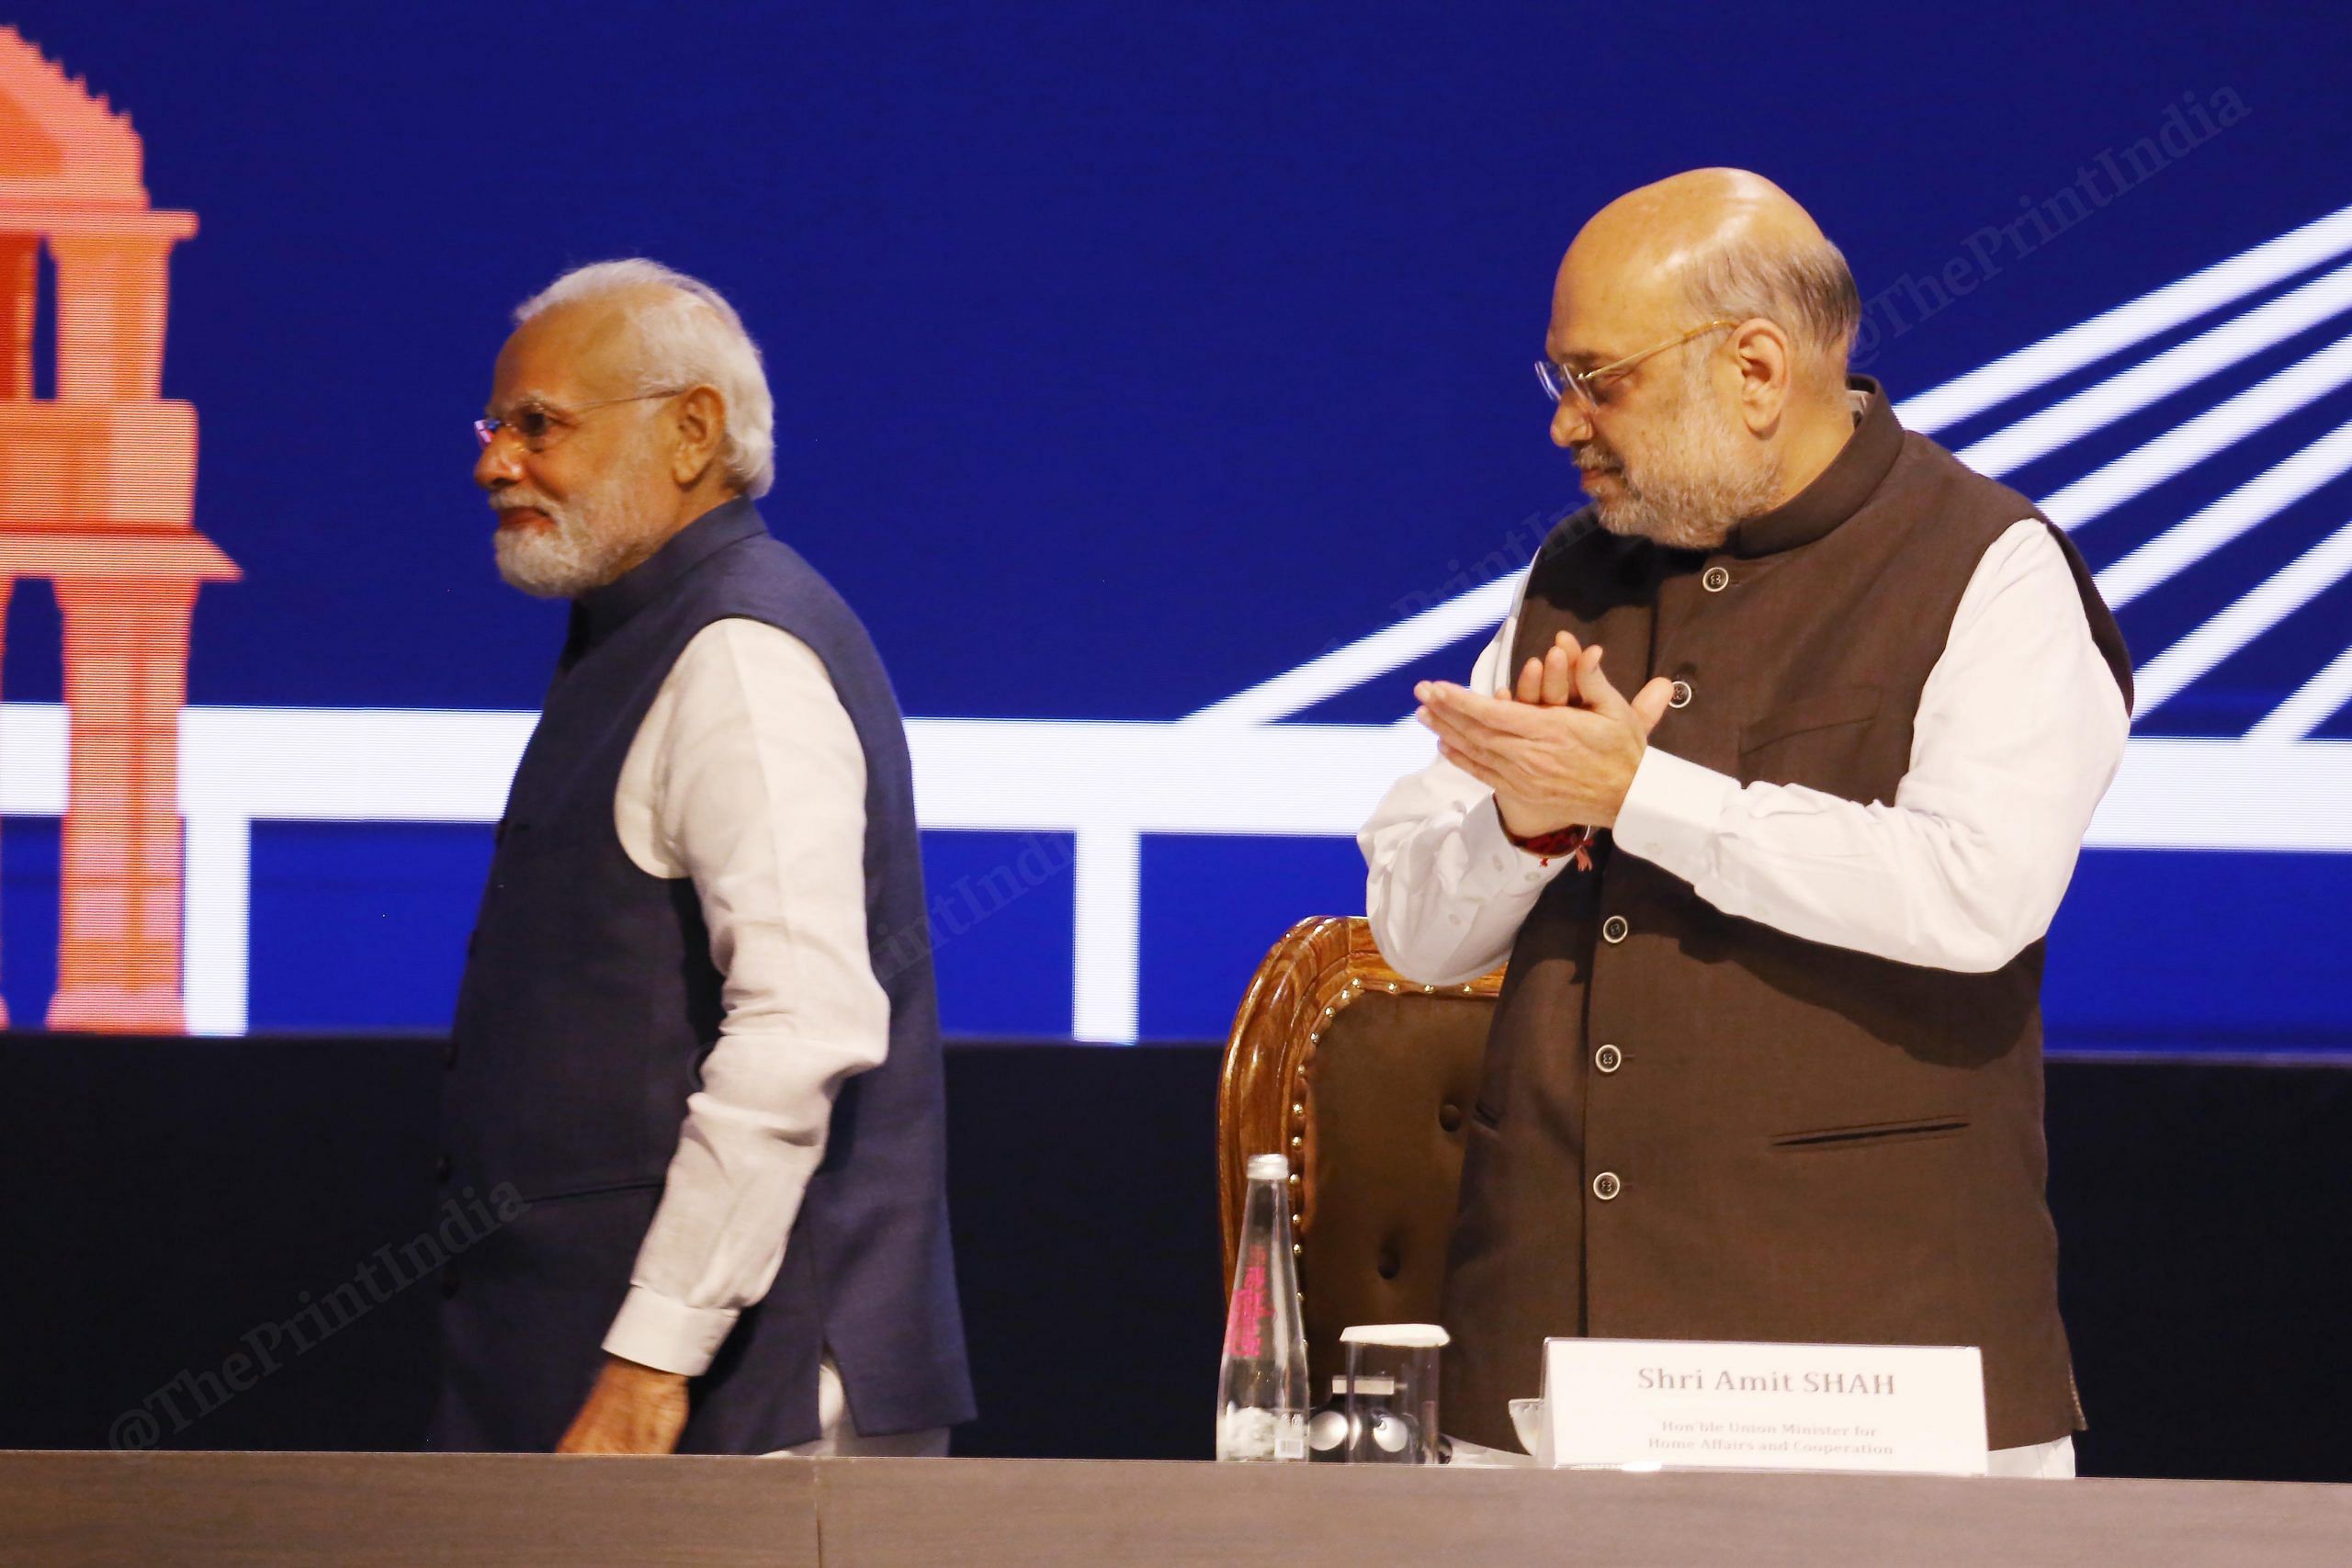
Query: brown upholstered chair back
{"type": "Point", "coordinates": [1365, 1079]}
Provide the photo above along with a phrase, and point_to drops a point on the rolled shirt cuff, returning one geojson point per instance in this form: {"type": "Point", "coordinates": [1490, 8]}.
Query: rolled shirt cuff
{"type": "Point", "coordinates": [667, 1334]}
{"type": "Point", "coordinates": [1672, 813]}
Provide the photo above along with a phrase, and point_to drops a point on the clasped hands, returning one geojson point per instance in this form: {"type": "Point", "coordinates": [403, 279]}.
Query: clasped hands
{"type": "Point", "coordinates": [1560, 752]}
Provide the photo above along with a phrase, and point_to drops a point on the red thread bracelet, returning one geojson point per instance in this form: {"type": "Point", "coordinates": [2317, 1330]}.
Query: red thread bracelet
{"type": "Point", "coordinates": [1561, 843]}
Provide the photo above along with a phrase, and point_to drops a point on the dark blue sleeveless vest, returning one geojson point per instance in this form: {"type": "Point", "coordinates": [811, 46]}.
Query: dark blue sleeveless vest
{"type": "Point", "coordinates": [589, 1002]}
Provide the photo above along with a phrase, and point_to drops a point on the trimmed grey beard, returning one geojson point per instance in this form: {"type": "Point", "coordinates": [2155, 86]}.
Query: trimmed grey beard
{"type": "Point", "coordinates": [591, 542]}
{"type": "Point", "coordinates": [1691, 500]}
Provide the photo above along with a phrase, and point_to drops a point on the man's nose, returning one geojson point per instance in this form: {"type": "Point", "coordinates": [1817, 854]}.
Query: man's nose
{"type": "Point", "coordinates": [499, 464]}
{"type": "Point", "coordinates": [1569, 423]}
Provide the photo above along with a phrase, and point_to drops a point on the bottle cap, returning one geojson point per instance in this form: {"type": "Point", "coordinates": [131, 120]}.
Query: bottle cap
{"type": "Point", "coordinates": [1269, 1168]}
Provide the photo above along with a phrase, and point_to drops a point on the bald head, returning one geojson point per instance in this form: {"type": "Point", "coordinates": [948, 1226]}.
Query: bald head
{"type": "Point", "coordinates": [1709, 244]}
{"type": "Point", "coordinates": [1684, 216]}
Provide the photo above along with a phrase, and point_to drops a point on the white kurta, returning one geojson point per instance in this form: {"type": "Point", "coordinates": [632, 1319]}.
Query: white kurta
{"type": "Point", "coordinates": [747, 777]}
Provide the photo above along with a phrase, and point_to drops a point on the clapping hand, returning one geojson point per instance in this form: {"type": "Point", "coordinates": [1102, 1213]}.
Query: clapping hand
{"type": "Point", "coordinates": [1560, 752]}
{"type": "Point", "coordinates": [1550, 681]}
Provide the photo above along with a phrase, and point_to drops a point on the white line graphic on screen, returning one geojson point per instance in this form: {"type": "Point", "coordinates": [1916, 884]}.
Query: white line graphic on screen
{"type": "Point", "coordinates": [2311, 706]}
{"type": "Point", "coordinates": [2187, 542]}
{"type": "Point", "coordinates": [1243, 766]}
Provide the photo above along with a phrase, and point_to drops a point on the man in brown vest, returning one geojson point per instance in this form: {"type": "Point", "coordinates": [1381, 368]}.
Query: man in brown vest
{"type": "Point", "coordinates": [1767, 1063]}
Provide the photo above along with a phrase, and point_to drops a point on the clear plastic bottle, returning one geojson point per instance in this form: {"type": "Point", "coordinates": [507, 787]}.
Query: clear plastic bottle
{"type": "Point", "coordinates": [1262, 1390]}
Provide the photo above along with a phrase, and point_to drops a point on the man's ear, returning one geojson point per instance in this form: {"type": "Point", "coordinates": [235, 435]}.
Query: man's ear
{"type": "Point", "coordinates": [699, 421]}
{"type": "Point", "coordinates": [1765, 362]}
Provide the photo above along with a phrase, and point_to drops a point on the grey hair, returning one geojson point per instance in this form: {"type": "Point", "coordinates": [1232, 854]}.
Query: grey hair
{"type": "Point", "coordinates": [688, 335]}
{"type": "Point", "coordinates": [1808, 291]}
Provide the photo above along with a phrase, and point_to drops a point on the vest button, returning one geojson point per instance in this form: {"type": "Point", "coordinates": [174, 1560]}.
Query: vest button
{"type": "Point", "coordinates": [1681, 696]}
{"type": "Point", "coordinates": [1449, 1116]}
{"type": "Point", "coordinates": [1615, 930]}
{"type": "Point", "coordinates": [1717, 580]}
{"type": "Point", "coordinates": [1606, 1186]}
{"type": "Point", "coordinates": [442, 1167]}
{"type": "Point", "coordinates": [1609, 1058]}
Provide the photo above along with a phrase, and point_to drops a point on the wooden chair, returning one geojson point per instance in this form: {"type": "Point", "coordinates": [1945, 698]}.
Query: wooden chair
{"type": "Point", "coordinates": [1365, 1079]}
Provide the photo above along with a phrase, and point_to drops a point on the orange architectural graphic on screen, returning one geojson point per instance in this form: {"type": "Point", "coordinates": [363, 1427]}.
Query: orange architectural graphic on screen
{"type": "Point", "coordinates": [97, 493]}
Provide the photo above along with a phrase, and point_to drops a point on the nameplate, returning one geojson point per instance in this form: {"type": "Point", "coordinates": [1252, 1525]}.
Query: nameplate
{"type": "Point", "coordinates": [1690, 1405]}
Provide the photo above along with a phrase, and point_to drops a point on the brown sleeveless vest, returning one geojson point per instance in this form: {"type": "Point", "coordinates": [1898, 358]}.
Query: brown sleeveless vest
{"type": "Point", "coordinates": [1693, 1126]}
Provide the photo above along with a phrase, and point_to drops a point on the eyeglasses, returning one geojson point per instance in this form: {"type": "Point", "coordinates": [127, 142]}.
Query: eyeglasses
{"type": "Point", "coordinates": [540, 425]}
{"type": "Point", "coordinates": [1585, 386]}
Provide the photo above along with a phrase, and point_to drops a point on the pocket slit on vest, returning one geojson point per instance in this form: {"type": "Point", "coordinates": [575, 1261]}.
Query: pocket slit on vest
{"type": "Point", "coordinates": [1824, 1139]}
{"type": "Point", "coordinates": [596, 1189]}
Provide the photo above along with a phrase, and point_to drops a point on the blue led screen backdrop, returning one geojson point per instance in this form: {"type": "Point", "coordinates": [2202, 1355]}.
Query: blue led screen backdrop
{"type": "Point", "coordinates": [1155, 384]}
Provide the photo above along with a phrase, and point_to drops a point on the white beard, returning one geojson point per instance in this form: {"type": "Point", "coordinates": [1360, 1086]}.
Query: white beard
{"type": "Point", "coordinates": [585, 545]}
{"type": "Point", "coordinates": [1692, 500]}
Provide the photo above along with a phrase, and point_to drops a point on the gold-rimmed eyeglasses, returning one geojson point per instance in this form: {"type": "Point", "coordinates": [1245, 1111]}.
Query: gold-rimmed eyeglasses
{"type": "Point", "coordinates": [540, 425]}
{"type": "Point", "coordinates": [1585, 386]}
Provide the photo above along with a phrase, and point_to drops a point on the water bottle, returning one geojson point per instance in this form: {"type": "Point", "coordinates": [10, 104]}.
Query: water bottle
{"type": "Point", "coordinates": [1262, 1390]}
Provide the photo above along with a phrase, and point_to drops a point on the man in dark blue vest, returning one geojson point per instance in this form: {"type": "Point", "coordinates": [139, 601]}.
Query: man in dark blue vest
{"type": "Point", "coordinates": [697, 1049]}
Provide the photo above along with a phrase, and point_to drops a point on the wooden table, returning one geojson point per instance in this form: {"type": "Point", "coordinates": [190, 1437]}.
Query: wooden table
{"type": "Point", "coordinates": [357, 1510]}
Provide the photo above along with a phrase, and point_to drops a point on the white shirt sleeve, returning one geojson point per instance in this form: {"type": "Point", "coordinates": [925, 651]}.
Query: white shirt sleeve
{"type": "Point", "coordinates": [747, 776]}
{"type": "Point", "coordinates": [2020, 730]}
{"type": "Point", "coordinates": [1446, 889]}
